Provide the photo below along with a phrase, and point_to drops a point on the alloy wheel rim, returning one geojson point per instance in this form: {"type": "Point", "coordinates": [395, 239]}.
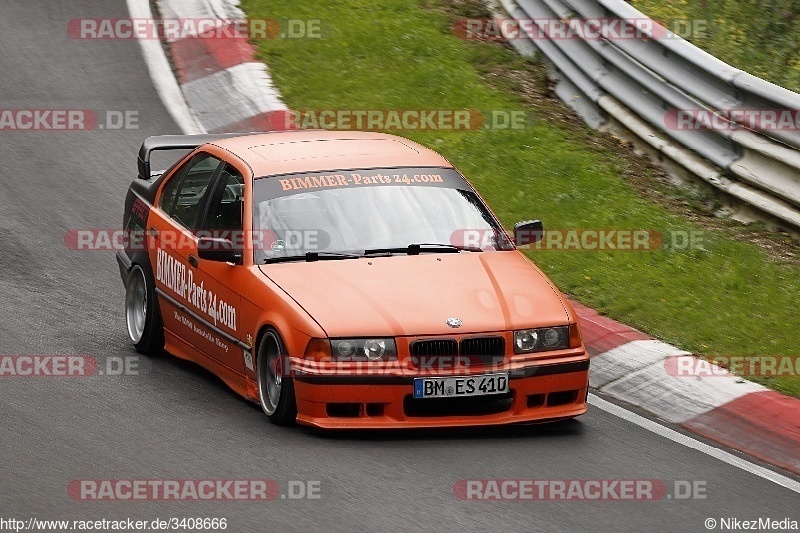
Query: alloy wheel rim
{"type": "Point", "coordinates": [136, 305]}
{"type": "Point", "coordinates": [270, 375]}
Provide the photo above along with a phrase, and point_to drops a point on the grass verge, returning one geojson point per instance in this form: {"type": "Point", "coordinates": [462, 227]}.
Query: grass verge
{"type": "Point", "coordinates": [725, 296]}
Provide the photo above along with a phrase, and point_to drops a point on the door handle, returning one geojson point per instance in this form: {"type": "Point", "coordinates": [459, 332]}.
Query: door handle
{"type": "Point", "coordinates": [193, 261]}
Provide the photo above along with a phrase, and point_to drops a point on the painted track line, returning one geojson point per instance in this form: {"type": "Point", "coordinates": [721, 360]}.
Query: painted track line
{"type": "Point", "coordinates": [689, 442]}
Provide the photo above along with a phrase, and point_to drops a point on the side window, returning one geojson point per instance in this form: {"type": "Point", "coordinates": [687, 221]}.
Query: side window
{"type": "Point", "coordinates": [227, 204]}
{"type": "Point", "coordinates": [184, 193]}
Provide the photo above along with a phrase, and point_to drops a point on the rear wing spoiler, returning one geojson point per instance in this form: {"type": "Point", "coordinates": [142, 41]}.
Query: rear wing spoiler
{"type": "Point", "coordinates": [176, 142]}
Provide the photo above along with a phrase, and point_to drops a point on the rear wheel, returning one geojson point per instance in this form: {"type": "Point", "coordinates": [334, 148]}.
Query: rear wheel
{"type": "Point", "coordinates": [275, 387]}
{"type": "Point", "coordinates": [142, 316]}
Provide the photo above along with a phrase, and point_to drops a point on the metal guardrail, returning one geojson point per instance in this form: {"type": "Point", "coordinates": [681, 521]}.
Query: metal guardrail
{"type": "Point", "coordinates": [643, 82]}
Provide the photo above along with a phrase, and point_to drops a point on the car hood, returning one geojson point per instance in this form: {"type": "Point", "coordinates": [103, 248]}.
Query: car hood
{"type": "Point", "coordinates": [415, 295]}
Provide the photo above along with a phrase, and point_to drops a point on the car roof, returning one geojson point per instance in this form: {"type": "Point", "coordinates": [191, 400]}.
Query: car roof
{"type": "Point", "coordinates": [285, 152]}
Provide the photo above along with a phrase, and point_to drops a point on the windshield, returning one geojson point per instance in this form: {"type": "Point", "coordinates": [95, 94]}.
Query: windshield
{"type": "Point", "coordinates": [355, 211]}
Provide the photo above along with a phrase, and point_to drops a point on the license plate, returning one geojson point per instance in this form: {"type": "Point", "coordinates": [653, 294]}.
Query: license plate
{"type": "Point", "coordinates": [456, 387]}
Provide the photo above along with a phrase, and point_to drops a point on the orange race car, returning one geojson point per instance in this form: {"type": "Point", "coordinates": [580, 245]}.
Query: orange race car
{"type": "Point", "coordinates": [345, 280]}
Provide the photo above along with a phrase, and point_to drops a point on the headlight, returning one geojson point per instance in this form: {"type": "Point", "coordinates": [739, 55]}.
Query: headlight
{"type": "Point", "coordinates": [541, 339]}
{"type": "Point", "coordinates": [363, 349]}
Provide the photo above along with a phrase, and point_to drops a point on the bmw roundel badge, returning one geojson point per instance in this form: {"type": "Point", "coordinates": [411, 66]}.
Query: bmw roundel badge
{"type": "Point", "coordinates": [454, 322]}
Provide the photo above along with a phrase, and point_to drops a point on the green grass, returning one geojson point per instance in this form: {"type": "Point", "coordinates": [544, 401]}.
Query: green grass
{"type": "Point", "coordinates": [727, 298]}
{"type": "Point", "coordinates": [761, 37]}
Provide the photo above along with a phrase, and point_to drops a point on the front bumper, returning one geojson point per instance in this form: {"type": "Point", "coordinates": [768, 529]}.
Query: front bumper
{"type": "Point", "coordinates": [551, 390]}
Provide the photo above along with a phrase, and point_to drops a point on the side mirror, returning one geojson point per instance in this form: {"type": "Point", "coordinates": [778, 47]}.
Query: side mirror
{"type": "Point", "coordinates": [216, 249]}
{"type": "Point", "coordinates": [528, 232]}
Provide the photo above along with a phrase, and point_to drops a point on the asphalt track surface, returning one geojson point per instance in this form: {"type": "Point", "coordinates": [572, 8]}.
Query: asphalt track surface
{"type": "Point", "coordinates": [176, 421]}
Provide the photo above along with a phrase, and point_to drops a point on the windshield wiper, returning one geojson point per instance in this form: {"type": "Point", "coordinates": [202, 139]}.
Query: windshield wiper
{"type": "Point", "coordinates": [425, 247]}
{"type": "Point", "coordinates": [411, 249]}
{"type": "Point", "coordinates": [312, 256]}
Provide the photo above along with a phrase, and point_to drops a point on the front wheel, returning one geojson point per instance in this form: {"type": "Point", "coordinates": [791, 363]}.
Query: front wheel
{"type": "Point", "coordinates": [142, 317]}
{"type": "Point", "coordinates": [275, 387]}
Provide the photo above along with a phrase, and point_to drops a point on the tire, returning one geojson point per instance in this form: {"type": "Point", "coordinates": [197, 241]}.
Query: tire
{"type": "Point", "coordinates": [275, 390]}
{"type": "Point", "coordinates": [142, 316]}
